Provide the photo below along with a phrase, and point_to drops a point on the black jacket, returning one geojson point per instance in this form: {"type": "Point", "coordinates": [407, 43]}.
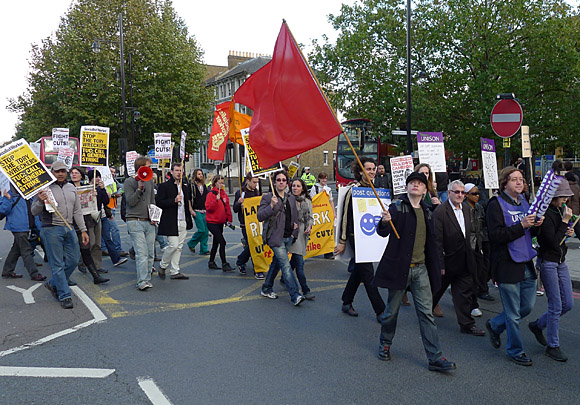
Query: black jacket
{"type": "Point", "coordinates": [197, 198]}
{"type": "Point", "coordinates": [165, 199]}
{"type": "Point", "coordinates": [551, 234]}
{"type": "Point", "coordinates": [238, 207]}
{"type": "Point", "coordinates": [393, 269]}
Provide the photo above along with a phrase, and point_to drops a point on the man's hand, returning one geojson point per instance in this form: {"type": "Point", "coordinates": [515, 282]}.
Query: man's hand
{"type": "Point", "coordinates": [435, 200]}
{"type": "Point", "coordinates": [528, 221]}
{"type": "Point", "coordinates": [274, 201]}
{"type": "Point", "coordinates": [339, 249]}
{"type": "Point", "coordinates": [85, 237]}
{"type": "Point", "coordinates": [178, 198]}
{"type": "Point", "coordinates": [308, 230]}
{"type": "Point", "coordinates": [141, 185]}
{"type": "Point", "coordinates": [43, 196]}
{"type": "Point", "coordinates": [241, 200]}
{"type": "Point", "coordinates": [570, 232]}
{"type": "Point", "coordinates": [6, 194]}
{"type": "Point", "coordinates": [386, 216]}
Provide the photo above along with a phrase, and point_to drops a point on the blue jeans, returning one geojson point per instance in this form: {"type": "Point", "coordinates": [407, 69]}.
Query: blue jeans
{"type": "Point", "coordinates": [281, 261]}
{"type": "Point", "coordinates": [245, 255]}
{"type": "Point", "coordinates": [297, 264]}
{"type": "Point", "coordinates": [108, 241]}
{"type": "Point", "coordinates": [418, 282]}
{"type": "Point", "coordinates": [556, 280]}
{"type": "Point", "coordinates": [111, 229]}
{"type": "Point", "coordinates": [143, 237]}
{"type": "Point", "coordinates": [62, 250]}
{"type": "Point", "coordinates": [201, 235]}
{"type": "Point", "coordinates": [442, 196]}
{"type": "Point", "coordinates": [518, 300]}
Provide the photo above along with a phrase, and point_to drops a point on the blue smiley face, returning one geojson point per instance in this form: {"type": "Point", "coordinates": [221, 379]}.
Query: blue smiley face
{"type": "Point", "coordinates": [367, 224]}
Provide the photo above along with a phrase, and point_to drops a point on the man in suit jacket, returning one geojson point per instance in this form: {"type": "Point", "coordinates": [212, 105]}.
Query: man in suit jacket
{"type": "Point", "coordinates": [453, 231]}
{"type": "Point", "coordinates": [175, 220]}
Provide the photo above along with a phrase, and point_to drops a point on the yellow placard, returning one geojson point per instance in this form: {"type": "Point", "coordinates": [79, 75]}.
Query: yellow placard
{"type": "Point", "coordinates": [261, 253]}
{"type": "Point", "coordinates": [94, 146]}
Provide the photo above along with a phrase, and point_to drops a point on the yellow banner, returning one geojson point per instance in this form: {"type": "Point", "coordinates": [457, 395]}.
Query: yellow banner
{"type": "Point", "coordinates": [321, 239]}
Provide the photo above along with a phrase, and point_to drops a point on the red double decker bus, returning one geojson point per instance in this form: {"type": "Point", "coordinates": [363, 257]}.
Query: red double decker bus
{"type": "Point", "coordinates": [366, 142]}
{"type": "Point", "coordinates": [48, 154]}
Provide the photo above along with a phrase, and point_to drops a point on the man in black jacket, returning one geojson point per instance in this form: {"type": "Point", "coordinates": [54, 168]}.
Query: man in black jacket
{"type": "Point", "coordinates": [411, 262]}
{"type": "Point", "coordinates": [453, 230]}
{"type": "Point", "coordinates": [249, 189]}
{"type": "Point", "coordinates": [174, 198]}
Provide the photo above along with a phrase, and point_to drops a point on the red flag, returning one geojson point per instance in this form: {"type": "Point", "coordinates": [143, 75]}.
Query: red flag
{"type": "Point", "coordinates": [291, 114]}
{"type": "Point", "coordinates": [218, 139]}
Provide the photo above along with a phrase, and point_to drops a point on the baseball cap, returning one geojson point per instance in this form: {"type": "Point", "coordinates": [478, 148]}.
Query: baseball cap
{"type": "Point", "coordinates": [59, 166]}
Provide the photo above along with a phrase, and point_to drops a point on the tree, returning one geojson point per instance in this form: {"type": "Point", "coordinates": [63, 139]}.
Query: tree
{"type": "Point", "coordinates": [469, 51]}
{"type": "Point", "coordinates": [70, 86]}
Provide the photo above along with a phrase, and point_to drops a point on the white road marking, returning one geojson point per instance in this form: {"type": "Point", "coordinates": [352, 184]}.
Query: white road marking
{"type": "Point", "coordinates": [505, 117]}
{"type": "Point", "coordinates": [26, 294]}
{"type": "Point", "coordinates": [98, 316]}
{"type": "Point", "coordinates": [55, 372]}
{"type": "Point", "coordinates": [155, 395]}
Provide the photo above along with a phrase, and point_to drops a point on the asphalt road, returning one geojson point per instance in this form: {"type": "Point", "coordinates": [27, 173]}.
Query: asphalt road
{"type": "Point", "coordinates": [213, 340]}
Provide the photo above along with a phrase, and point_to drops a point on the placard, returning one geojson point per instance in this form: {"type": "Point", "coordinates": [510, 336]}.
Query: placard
{"type": "Point", "coordinates": [293, 169]}
{"type": "Point", "coordinates": [106, 175]}
{"type": "Point", "coordinates": [66, 155]}
{"type": "Point", "coordinates": [155, 213]}
{"type": "Point", "coordinates": [526, 144]}
{"type": "Point", "coordinates": [25, 171]}
{"type": "Point", "coordinates": [401, 168]}
{"type": "Point", "coordinates": [432, 150]}
{"type": "Point", "coordinates": [94, 146]}
{"type": "Point", "coordinates": [162, 146]}
{"type": "Point", "coordinates": [88, 200]}
{"type": "Point", "coordinates": [182, 146]}
{"type": "Point", "coordinates": [255, 168]}
{"type": "Point", "coordinates": [35, 146]}
{"type": "Point", "coordinates": [489, 163]}
{"type": "Point", "coordinates": [4, 184]}
{"type": "Point", "coordinates": [130, 158]}
{"type": "Point", "coordinates": [59, 138]}
{"type": "Point", "coordinates": [321, 239]}
{"type": "Point", "coordinates": [366, 210]}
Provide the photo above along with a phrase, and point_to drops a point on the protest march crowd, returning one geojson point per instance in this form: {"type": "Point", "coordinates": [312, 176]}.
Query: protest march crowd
{"type": "Point", "coordinates": [436, 240]}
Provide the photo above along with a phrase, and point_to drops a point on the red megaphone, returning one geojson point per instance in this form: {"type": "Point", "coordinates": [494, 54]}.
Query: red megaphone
{"type": "Point", "coordinates": [144, 173]}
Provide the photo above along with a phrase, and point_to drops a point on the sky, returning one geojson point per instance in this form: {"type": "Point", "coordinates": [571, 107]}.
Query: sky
{"type": "Point", "coordinates": [219, 27]}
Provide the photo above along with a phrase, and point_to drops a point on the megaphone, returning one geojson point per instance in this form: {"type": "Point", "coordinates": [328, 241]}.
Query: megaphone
{"type": "Point", "coordinates": [144, 173]}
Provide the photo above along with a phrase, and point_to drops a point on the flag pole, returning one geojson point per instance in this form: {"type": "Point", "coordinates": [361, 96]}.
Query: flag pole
{"type": "Point", "coordinates": [338, 122]}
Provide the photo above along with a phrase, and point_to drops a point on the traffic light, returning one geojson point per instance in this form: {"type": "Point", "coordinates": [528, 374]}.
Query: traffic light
{"type": "Point", "coordinates": [186, 158]}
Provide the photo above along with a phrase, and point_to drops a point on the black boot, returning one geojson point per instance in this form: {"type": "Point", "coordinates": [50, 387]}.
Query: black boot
{"type": "Point", "coordinates": [97, 279]}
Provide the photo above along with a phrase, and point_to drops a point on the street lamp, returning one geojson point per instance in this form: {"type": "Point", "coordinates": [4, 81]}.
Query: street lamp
{"type": "Point", "coordinates": [409, 140]}
{"type": "Point", "coordinates": [96, 47]}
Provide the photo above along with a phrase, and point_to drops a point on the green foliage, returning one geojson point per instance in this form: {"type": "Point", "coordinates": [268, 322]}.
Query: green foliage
{"type": "Point", "coordinates": [70, 86]}
{"type": "Point", "coordinates": [470, 51]}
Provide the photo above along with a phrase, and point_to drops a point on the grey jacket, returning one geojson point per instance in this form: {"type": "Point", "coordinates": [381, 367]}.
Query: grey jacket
{"type": "Point", "coordinates": [299, 247]}
{"type": "Point", "coordinates": [265, 211]}
{"type": "Point", "coordinates": [138, 201]}
{"type": "Point", "coordinates": [68, 204]}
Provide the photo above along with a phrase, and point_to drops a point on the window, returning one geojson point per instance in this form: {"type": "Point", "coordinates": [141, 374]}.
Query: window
{"type": "Point", "coordinates": [325, 158]}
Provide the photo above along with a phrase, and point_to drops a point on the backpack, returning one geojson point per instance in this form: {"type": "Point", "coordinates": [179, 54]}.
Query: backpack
{"type": "Point", "coordinates": [123, 208]}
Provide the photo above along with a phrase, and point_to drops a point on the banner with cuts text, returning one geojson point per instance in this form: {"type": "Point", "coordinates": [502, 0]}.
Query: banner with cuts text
{"type": "Point", "coordinates": [24, 170]}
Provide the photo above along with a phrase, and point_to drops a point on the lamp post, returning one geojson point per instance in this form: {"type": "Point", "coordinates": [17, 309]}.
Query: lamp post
{"type": "Point", "coordinates": [96, 47]}
{"type": "Point", "coordinates": [409, 139]}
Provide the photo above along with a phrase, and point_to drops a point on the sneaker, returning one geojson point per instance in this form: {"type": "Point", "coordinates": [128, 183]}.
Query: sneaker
{"type": "Point", "coordinates": [226, 268]}
{"type": "Point", "coordinates": [494, 337]}
{"type": "Point", "coordinates": [309, 296]}
{"type": "Point", "coordinates": [259, 276]}
{"type": "Point", "coordinates": [143, 286]}
{"type": "Point", "coordinates": [476, 312]}
{"type": "Point", "coordinates": [299, 300]}
{"type": "Point", "coordinates": [213, 266]}
{"type": "Point", "coordinates": [556, 354]}
{"type": "Point", "coordinates": [272, 295]}
{"type": "Point", "coordinates": [121, 261]}
{"type": "Point", "coordinates": [132, 254]}
{"type": "Point", "coordinates": [442, 364]}
{"type": "Point", "coordinates": [535, 329]}
{"type": "Point", "coordinates": [38, 277]}
{"type": "Point", "coordinates": [242, 270]}
{"type": "Point", "coordinates": [52, 289]}
{"type": "Point", "coordinates": [149, 285]}
{"type": "Point", "coordinates": [385, 352]}
{"type": "Point", "coordinates": [521, 360]}
{"type": "Point", "coordinates": [105, 253]}
{"type": "Point", "coordinates": [179, 276]}
{"type": "Point", "coordinates": [539, 293]}
{"type": "Point", "coordinates": [67, 303]}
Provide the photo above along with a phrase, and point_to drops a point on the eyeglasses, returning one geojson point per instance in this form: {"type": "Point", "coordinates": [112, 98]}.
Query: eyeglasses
{"type": "Point", "coordinates": [458, 192]}
{"type": "Point", "coordinates": [281, 180]}
{"type": "Point", "coordinates": [473, 193]}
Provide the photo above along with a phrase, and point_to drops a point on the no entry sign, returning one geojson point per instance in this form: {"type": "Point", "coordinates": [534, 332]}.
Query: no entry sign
{"type": "Point", "coordinates": [506, 118]}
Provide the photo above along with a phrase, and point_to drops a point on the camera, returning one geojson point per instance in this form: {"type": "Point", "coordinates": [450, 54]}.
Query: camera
{"type": "Point", "coordinates": [231, 226]}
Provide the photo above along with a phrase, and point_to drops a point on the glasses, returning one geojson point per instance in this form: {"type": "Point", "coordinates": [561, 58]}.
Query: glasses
{"type": "Point", "coordinates": [281, 180]}
{"type": "Point", "coordinates": [473, 193]}
{"type": "Point", "coordinates": [458, 192]}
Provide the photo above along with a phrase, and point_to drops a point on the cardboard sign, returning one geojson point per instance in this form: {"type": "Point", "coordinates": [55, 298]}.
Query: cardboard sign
{"type": "Point", "coordinates": [526, 144]}
{"type": "Point", "coordinates": [106, 175]}
{"type": "Point", "coordinates": [66, 155]}
{"type": "Point", "coordinates": [366, 210]}
{"type": "Point", "coordinates": [254, 166]}
{"type": "Point", "coordinates": [432, 150]}
{"type": "Point", "coordinates": [155, 213]}
{"type": "Point", "coordinates": [401, 168]}
{"type": "Point", "coordinates": [88, 200]}
{"type": "Point", "coordinates": [293, 169]}
{"type": "Point", "coordinates": [182, 145]}
{"type": "Point", "coordinates": [130, 158]}
{"type": "Point", "coordinates": [162, 146]}
{"type": "Point", "coordinates": [489, 163]}
{"type": "Point", "coordinates": [26, 172]}
{"type": "Point", "coordinates": [94, 146]}
{"type": "Point", "coordinates": [59, 138]}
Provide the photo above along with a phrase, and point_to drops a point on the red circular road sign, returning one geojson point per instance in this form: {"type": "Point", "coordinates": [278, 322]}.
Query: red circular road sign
{"type": "Point", "coordinates": [506, 118]}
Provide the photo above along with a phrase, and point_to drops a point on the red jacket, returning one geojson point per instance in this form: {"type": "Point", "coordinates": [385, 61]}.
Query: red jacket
{"type": "Point", "coordinates": [218, 210]}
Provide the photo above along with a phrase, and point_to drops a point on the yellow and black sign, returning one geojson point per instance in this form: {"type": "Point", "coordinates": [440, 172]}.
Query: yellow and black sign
{"type": "Point", "coordinates": [255, 167]}
{"type": "Point", "coordinates": [25, 171]}
{"type": "Point", "coordinates": [94, 146]}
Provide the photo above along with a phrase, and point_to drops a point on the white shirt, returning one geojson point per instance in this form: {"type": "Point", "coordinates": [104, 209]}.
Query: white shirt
{"type": "Point", "coordinates": [181, 208]}
{"type": "Point", "coordinates": [320, 190]}
{"type": "Point", "coordinates": [459, 216]}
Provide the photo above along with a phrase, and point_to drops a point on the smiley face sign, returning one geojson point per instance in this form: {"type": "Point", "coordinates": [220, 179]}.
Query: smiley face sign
{"type": "Point", "coordinates": [367, 214]}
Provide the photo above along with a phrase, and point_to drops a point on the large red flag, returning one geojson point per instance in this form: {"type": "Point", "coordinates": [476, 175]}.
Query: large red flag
{"type": "Point", "coordinates": [218, 140]}
{"type": "Point", "coordinates": [291, 114]}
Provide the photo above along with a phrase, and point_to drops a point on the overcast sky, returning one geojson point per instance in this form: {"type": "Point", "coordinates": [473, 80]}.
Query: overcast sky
{"type": "Point", "coordinates": [219, 26]}
{"type": "Point", "coordinates": [249, 26]}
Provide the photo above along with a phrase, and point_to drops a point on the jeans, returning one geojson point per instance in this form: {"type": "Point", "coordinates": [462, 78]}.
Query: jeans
{"type": "Point", "coordinates": [281, 261]}
{"type": "Point", "coordinates": [442, 196]}
{"type": "Point", "coordinates": [245, 255]}
{"type": "Point", "coordinates": [297, 264]}
{"type": "Point", "coordinates": [142, 235]}
{"type": "Point", "coordinates": [108, 241]}
{"type": "Point", "coordinates": [111, 230]}
{"type": "Point", "coordinates": [201, 235]}
{"type": "Point", "coordinates": [418, 283]}
{"type": "Point", "coordinates": [172, 255]}
{"type": "Point", "coordinates": [556, 280]}
{"type": "Point", "coordinates": [20, 247]}
{"type": "Point", "coordinates": [62, 250]}
{"type": "Point", "coordinates": [518, 300]}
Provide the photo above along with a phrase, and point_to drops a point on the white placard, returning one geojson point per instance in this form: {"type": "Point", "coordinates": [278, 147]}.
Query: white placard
{"type": "Point", "coordinates": [66, 156]}
{"type": "Point", "coordinates": [155, 213]}
{"type": "Point", "coordinates": [130, 158]}
{"type": "Point", "coordinates": [50, 199]}
{"type": "Point", "coordinates": [35, 146]}
{"type": "Point", "coordinates": [4, 183]}
{"type": "Point", "coordinates": [401, 168]}
{"type": "Point", "coordinates": [88, 200]}
{"type": "Point", "coordinates": [489, 163]}
{"type": "Point", "coordinates": [106, 175]}
{"type": "Point", "coordinates": [182, 145]}
{"type": "Point", "coordinates": [162, 146]}
{"type": "Point", "coordinates": [432, 150]}
{"type": "Point", "coordinates": [59, 138]}
{"type": "Point", "coordinates": [366, 210]}
{"type": "Point", "coordinates": [526, 144]}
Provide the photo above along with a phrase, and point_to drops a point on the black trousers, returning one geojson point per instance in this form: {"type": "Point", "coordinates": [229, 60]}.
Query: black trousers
{"type": "Point", "coordinates": [217, 230]}
{"type": "Point", "coordinates": [20, 248]}
{"type": "Point", "coordinates": [363, 273]}
{"type": "Point", "coordinates": [462, 294]}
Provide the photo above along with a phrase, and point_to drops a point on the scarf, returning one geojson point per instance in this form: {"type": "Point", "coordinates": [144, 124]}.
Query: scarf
{"type": "Point", "coordinates": [303, 209]}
